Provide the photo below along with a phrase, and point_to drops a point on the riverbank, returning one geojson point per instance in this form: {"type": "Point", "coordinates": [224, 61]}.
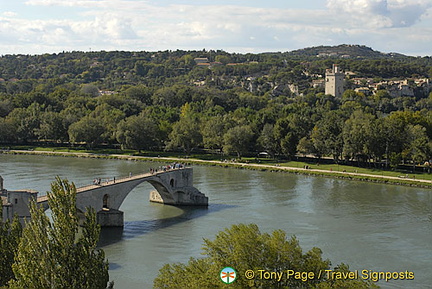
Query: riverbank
{"type": "Point", "coordinates": [404, 180]}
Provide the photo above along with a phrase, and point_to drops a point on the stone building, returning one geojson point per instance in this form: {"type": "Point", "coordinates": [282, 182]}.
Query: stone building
{"type": "Point", "coordinates": [16, 203]}
{"type": "Point", "coordinates": [334, 81]}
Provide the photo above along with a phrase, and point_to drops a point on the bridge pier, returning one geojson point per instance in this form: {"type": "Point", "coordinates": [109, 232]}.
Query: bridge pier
{"type": "Point", "coordinates": [110, 218]}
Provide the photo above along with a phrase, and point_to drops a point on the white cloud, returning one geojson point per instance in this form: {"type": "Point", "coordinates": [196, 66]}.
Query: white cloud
{"type": "Point", "coordinates": [9, 14]}
{"type": "Point", "coordinates": [381, 13]}
{"type": "Point", "coordinates": [105, 26]}
{"type": "Point", "coordinates": [68, 3]}
{"type": "Point", "coordinates": [141, 25]}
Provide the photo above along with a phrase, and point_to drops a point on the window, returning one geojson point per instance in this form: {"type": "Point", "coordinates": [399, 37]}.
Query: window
{"type": "Point", "coordinates": [105, 201]}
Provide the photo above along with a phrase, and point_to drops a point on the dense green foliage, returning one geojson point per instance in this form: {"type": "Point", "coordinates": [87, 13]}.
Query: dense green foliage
{"type": "Point", "coordinates": [164, 100]}
{"type": "Point", "coordinates": [244, 247]}
{"type": "Point", "coordinates": [57, 253]}
{"type": "Point", "coordinates": [10, 234]}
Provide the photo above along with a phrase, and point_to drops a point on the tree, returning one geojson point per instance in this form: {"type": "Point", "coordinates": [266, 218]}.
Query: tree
{"type": "Point", "coordinates": [289, 130]}
{"type": "Point", "coordinates": [394, 133]}
{"type": "Point", "coordinates": [419, 146]}
{"type": "Point", "coordinates": [185, 134]}
{"type": "Point", "coordinates": [10, 234]}
{"type": "Point", "coordinates": [288, 144]}
{"type": "Point", "coordinates": [213, 132]}
{"type": "Point", "coordinates": [88, 130]}
{"type": "Point", "coordinates": [110, 117]}
{"type": "Point", "coordinates": [238, 140]}
{"type": "Point", "coordinates": [7, 130]}
{"type": "Point", "coordinates": [26, 121]}
{"type": "Point", "coordinates": [327, 135]}
{"type": "Point", "coordinates": [175, 96]}
{"type": "Point", "coordinates": [6, 107]}
{"type": "Point", "coordinates": [52, 127]}
{"type": "Point", "coordinates": [395, 160]}
{"type": "Point", "coordinates": [225, 59]}
{"type": "Point", "coordinates": [137, 132]}
{"type": "Point", "coordinates": [357, 135]}
{"type": "Point", "coordinates": [141, 93]}
{"type": "Point", "coordinates": [141, 68]}
{"type": "Point", "coordinates": [244, 247]}
{"type": "Point", "coordinates": [306, 146]}
{"type": "Point", "coordinates": [90, 89]}
{"type": "Point", "coordinates": [267, 140]}
{"type": "Point", "coordinates": [56, 254]}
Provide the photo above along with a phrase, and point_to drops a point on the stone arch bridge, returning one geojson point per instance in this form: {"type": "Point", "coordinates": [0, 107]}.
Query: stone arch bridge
{"type": "Point", "coordinates": [173, 187]}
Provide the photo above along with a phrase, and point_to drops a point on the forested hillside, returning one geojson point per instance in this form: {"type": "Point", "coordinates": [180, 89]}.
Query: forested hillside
{"type": "Point", "coordinates": [224, 102]}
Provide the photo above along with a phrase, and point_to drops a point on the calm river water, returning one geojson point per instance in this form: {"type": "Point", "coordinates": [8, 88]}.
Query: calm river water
{"type": "Point", "coordinates": [368, 226]}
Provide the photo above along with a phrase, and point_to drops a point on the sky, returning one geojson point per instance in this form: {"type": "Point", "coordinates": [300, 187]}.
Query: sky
{"type": "Point", "coordinates": [242, 26]}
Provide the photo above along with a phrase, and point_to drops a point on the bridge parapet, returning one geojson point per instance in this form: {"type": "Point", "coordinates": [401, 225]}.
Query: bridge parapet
{"type": "Point", "coordinates": [173, 187]}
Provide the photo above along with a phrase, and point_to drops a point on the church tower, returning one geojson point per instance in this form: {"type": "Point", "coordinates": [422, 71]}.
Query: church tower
{"type": "Point", "coordinates": [334, 81]}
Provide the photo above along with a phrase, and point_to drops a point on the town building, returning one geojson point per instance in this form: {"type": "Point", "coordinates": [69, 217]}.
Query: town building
{"type": "Point", "coordinates": [201, 60]}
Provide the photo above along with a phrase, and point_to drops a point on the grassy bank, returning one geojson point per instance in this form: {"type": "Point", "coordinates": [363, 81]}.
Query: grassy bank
{"type": "Point", "coordinates": [296, 167]}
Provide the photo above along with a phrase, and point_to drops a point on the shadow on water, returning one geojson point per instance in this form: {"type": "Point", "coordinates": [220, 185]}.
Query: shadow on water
{"type": "Point", "coordinates": [134, 229]}
{"type": "Point", "coordinates": [114, 266]}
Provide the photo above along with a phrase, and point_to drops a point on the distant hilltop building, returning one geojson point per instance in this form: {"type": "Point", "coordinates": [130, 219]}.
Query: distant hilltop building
{"type": "Point", "coordinates": [201, 61]}
{"type": "Point", "coordinates": [334, 81]}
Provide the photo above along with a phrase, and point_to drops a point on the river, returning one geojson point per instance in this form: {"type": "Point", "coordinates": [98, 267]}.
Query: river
{"type": "Point", "coordinates": [368, 226]}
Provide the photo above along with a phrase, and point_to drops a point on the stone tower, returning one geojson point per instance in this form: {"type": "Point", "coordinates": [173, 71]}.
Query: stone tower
{"type": "Point", "coordinates": [16, 203]}
{"type": "Point", "coordinates": [334, 81]}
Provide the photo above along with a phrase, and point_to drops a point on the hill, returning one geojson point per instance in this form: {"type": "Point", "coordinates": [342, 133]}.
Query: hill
{"type": "Point", "coordinates": [257, 73]}
{"type": "Point", "coordinates": [344, 51]}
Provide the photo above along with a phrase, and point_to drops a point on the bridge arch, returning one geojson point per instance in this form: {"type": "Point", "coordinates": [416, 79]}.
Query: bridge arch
{"type": "Point", "coordinates": [173, 187]}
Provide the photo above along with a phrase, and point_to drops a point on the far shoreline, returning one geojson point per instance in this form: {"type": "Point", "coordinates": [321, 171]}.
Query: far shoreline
{"type": "Point", "coordinates": [411, 182]}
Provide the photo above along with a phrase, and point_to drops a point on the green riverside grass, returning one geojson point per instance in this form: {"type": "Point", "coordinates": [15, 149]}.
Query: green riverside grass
{"type": "Point", "coordinates": [295, 167]}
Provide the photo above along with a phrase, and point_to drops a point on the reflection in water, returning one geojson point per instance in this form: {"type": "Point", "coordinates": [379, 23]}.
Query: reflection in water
{"type": "Point", "coordinates": [114, 266]}
{"type": "Point", "coordinates": [110, 235]}
{"type": "Point", "coordinates": [134, 229]}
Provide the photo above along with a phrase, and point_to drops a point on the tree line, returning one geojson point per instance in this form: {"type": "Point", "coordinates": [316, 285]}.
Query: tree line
{"type": "Point", "coordinates": [150, 106]}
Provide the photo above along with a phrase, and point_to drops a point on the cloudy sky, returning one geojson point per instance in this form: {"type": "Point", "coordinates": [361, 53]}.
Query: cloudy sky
{"type": "Point", "coordinates": [49, 26]}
